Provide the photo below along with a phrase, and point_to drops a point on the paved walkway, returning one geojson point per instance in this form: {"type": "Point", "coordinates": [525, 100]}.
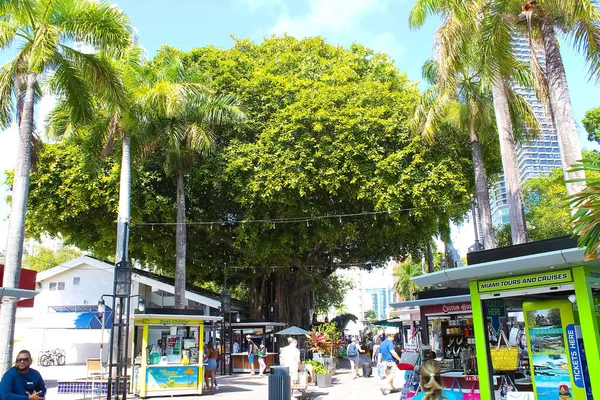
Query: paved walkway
{"type": "Point", "coordinates": [241, 386]}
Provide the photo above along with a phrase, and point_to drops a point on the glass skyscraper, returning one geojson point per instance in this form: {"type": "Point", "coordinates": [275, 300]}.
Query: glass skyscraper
{"type": "Point", "coordinates": [535, 158]}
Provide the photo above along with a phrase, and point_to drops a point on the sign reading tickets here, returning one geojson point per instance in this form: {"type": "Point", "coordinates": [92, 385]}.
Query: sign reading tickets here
{"type": "Point", "coordinates": [525, 281]}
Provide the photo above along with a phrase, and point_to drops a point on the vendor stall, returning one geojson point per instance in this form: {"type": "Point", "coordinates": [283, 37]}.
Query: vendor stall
{"type": "Point", "coordinates": [535, 318]}
{"type": "Point", "coordinates": [170, 354]}
{"type": "Point", "coordinates": [261, 332]}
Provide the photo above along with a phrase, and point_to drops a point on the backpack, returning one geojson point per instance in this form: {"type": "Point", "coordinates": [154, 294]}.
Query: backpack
{"type": "Point", "coordinates": [254, 348]}
{"type": "Point", "coordinates": [352, 350]}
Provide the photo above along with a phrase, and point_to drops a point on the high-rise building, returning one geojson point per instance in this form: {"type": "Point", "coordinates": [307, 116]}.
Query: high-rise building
{"type": "Point", "coordinates": [535, 158]}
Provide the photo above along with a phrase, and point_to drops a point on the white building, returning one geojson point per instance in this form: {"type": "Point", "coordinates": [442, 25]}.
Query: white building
{"type": "Point", "coordinates": [65, 313]}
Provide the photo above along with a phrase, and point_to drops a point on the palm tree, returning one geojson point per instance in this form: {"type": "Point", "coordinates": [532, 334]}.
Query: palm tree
{"type": "Point", "coordinates": [41, 32]}
{"type": "Point", "coordinates": [579, 20]}
{"type": "Point", "coordinates": [404, 271]}
{"type": "Point", "coordinates": [115, 119]}
{"type": "Point", "coordinates": [479, 25]}
{"type": "Point", "coordinates": [186, 117]}
{"type": "Point", "coordinates": [464, 101]}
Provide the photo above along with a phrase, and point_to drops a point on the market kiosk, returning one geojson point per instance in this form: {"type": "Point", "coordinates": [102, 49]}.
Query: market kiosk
{"type": "Point", "coordinates": [260, 332]}
{"type": "Point", "coordinates": [169, 354]}
{"type": "Point", "coordinates": [544, 298]}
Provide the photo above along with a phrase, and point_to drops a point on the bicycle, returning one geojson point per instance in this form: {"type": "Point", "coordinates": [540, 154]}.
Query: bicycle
{"type": "Point", "coordinates": [52, 357]}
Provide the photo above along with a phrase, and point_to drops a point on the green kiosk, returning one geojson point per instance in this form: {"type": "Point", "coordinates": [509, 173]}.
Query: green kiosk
{"type": "Point", "coordinates": [536, 307]}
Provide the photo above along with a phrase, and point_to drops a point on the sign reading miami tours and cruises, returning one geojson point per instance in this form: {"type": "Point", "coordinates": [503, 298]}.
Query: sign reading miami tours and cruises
{"type": "Point", "coordinates": [525, 281]}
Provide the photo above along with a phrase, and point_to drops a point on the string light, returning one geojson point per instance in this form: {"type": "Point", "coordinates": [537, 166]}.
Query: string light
{"type": "Point", "coordinates": [306, 220]}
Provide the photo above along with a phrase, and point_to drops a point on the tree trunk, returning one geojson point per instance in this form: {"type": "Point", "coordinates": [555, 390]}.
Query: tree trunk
{"type": "Point", "coordinates": [16, 226]}
{"type": "Point", "coordinates": [514, 192]}
{"type": "Point", "coordinates": [293, 299]}
{"type": "Point", "coordinates": [482, 192]}
{"type": "Point", "coordinates": [180, 245]}
{"type": "Point", "coordinates": [560, 101]}
{"type": "Point", "coordinates": [124, 202]}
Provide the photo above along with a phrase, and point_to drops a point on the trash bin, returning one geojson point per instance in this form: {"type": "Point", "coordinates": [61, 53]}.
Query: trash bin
{"type": "Point", "coordinates": [280, 387]}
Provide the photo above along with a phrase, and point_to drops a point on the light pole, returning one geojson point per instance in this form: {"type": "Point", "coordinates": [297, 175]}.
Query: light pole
{"type": "Point", "coordinates": [102, 311]}
{"type": "Point", "coordinates": [121, 305]}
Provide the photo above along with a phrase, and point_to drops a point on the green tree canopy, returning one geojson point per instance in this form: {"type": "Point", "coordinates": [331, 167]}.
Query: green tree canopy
{"type": "Point", "coordinates": [45, 258]}
{"type": "Point", "coordinates": [326, 135]}
{"type": "Point", "coordinates": [591, 122]}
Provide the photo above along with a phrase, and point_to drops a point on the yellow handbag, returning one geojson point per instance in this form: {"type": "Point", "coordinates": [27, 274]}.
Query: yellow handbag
{"type": "Point", "coordinates": [504, 358]}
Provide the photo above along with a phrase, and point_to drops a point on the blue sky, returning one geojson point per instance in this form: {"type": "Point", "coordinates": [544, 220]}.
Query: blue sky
{"type": "Point", "coordinates": [378, 24]}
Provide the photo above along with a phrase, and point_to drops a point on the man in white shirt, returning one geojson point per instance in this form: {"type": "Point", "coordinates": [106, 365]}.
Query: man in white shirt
{"type": "Point", "coordinates": [290, 357]}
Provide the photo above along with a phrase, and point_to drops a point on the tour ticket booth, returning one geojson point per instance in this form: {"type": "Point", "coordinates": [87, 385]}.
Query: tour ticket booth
{"type": "Point", "coordinates": [536, 314]}
{"type": "Point", "coordinates": [168, 354]}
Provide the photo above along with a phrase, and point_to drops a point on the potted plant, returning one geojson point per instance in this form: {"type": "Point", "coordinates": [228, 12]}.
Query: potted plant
{"type": "Point", "coordinates": [324, 377]}
{"type": "Point", "coordinates": [322, 342]}
{"type": "Point", "coordinates": [309, 366]}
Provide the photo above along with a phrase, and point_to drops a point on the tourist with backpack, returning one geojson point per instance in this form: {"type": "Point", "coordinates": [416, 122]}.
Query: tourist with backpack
{"type": "Point", "coordinates": [252, 352]}
{"type": "Point", "coordinates": [353, 351]}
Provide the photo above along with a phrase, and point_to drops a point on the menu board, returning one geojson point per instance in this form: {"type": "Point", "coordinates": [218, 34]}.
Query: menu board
{"type": "Point", "coordinates": [548, 354]}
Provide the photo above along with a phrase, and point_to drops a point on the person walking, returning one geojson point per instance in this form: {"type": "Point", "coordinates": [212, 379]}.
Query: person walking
{"type": "Point", "coordinates": [209, 371]}
{"type": "Point", "coordinates": [262, 359]}
{"type": "Point", "coordinates": [386, 356]}
{"type": "Point", "coordinates": [252, 350]}
{"type": "Point", "coordinates": [353, 351]}
{"type": "Point", "coordinates": [375, 357]}
{"type": "Point", "coordinates": [431, 384]}
{"type": "Point", "coordinates": [21, 382]}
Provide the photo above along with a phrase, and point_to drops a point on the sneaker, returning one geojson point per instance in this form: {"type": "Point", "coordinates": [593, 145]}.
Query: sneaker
{"type": "Point", "coordinates": [216, 387]}
{"type": "Point", "coordinates": [296, 393]}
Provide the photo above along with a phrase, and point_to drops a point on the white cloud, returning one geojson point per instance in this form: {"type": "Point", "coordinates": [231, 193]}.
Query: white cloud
{"type": "Point", "coordinates": [329, 18]}
{"type": "Point", "coordinates": [388, 43]}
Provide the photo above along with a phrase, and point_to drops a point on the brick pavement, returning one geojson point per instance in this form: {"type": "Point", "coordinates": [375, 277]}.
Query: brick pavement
{"type": "Point", "coordinates": [242, 386]}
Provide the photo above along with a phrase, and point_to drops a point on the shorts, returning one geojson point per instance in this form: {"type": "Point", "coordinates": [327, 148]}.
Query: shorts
{"type": "Point", "coordinates": [251, 358]}
{"type": "Point", "coordinates": [212, 364]}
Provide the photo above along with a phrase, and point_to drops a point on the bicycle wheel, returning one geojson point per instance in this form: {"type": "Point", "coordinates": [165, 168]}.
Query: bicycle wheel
{"type": "Point", "coordinates": [46, 360]}
{"type": "Point", "coordinates": [60, 359]}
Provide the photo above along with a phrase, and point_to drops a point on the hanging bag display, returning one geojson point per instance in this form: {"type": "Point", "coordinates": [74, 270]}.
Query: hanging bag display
{"type": "Point", "coordinates": [457, 389]}
{"type": "Point", "coordinates": [504, 357]}
{"type": "Point", "coordinates": [472, 395]}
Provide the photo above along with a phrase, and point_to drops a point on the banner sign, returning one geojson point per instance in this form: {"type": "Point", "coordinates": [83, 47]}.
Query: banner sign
{"type": "Point", "coordinates": [525, 281]}
{"type": "Point", "coordinates": [495, 310]}
{"type": "Point", "coordinates": [579, 368]}
{"type": "Point", "coordinates": [171, 321]}
{"type": "Point", "coordinates": [454, 308]}
{"type": "Point", "coordinates": [180, 377]}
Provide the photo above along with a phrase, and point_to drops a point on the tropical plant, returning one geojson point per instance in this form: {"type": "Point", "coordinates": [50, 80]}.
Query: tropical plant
{"type": "Point", "coordinates": [370, 314]}
{"type": "Point", "coordinates": [324, 338]}
{"type": "Point", "coordinates": [405, 271]}
{"type": "Point", "coordinates": [114, 121]}
{"type": "Point", "coordinates": [591, 123]}
{"type": "Point", "coordinates": [461, 100]}
{"type": "Point", "coordinates": [586, 220]}
{"type": "Point", "coordinates": [42, 33]}
{"type": "Point", "coordinates": [579, 21]}
{"type": "Point", "coordinates": [185, 116]}
{"type": "Point", "coordinates": [480, 25]}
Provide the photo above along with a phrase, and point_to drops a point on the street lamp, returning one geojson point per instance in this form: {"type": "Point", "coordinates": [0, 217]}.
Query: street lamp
{"type": "Point", "coordinates": [102, 311]}
{"type": "Point", "coordinates": [226, 309]}
{"type": "Point", "coordinates": [121, 304]}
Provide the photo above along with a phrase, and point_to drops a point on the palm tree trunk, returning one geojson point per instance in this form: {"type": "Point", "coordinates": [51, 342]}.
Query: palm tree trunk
{"type": "Point", "coordinates": [180, 245]}
{"type": "Point", "coordinates": [560, 101]}
{"type": "Point", "coordinates": [482, 191]}
{"type": "Point", "coordinates": [514, 192]}
{"type": "Point", "coordinates": [16, 226]}
{"type": "Point", "coordinates": [124, 202]}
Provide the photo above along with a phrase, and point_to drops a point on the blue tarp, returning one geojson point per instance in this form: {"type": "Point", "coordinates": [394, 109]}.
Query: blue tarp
{"type": "Point", "coordinates": [74, 320]}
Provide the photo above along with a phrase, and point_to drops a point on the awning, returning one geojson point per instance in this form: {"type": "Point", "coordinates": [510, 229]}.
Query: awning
{"type": "Point", "coordinates": [432, 302]}
{"type": "Point", "coordinates": [388, 322]}
{"type": "Point", "coordinates": [548, 261]}
{"type": "Point", "coordinates": [9, 295]}
{"type": "Point", "coordinates": [67, 320]}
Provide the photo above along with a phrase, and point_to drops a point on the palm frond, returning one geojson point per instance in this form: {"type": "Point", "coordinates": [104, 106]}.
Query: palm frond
{"type": "Point", "coordinates": [7, 93]}
{"type": "Point", "coordinates": [69, 84]}
{"type": "Point", "coordinates": [586, 38]}
{"type": "Point", "coordinates": [585, 221]}
{"type": "Point", "coordinates": [421, 11]}
{"type": "Point", "coordinates": [44, 46]}
{"type": "Point", "coordinates": [8, 31]}
{"type": "Point", "coordinates": [98, 24]}
{"type": "Point", "coordinates": [526, 125]}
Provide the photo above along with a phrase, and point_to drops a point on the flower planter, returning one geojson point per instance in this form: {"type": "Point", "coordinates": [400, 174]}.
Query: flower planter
{"type": "Point", "coordinates": [324, 380]}
{"type": "Point", "coordinates": [329, 363]}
